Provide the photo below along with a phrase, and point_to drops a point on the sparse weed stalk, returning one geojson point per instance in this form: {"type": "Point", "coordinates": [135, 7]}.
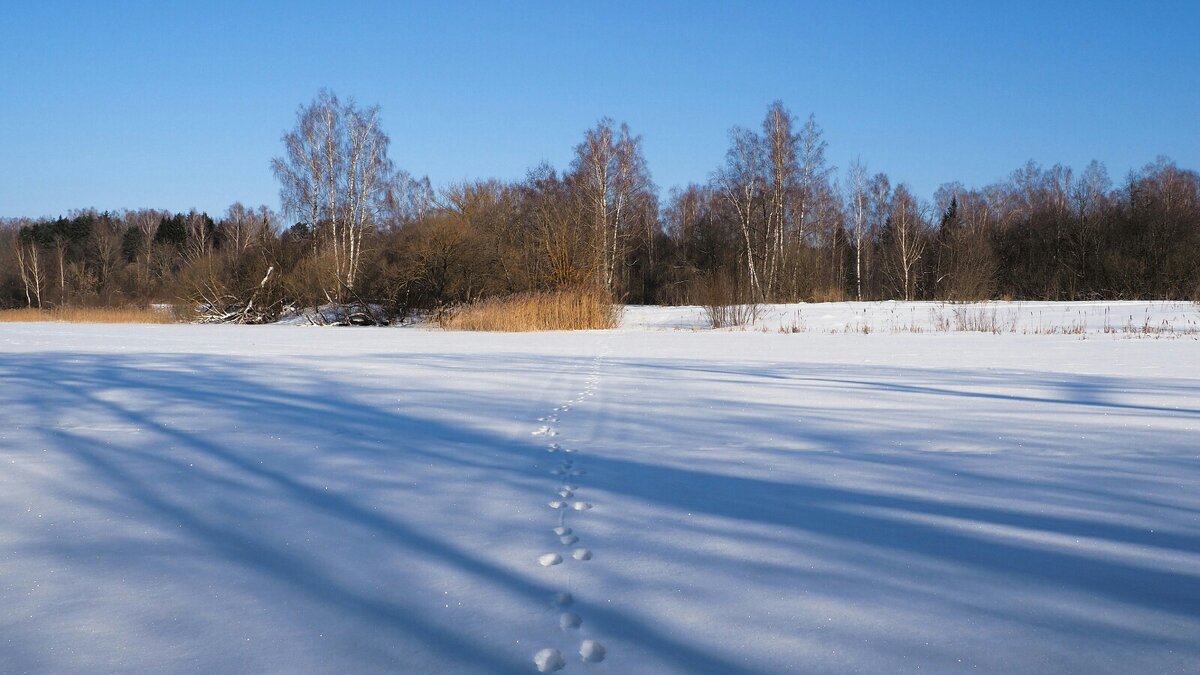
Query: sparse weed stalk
{"type": "Point", "coordinates": [727, 303]}
{"type": "Point", "coordinates": [938, 319]}
{"type": "Point", "coordinates": [977, 320]}
{"type": "Point", "coordinates": [730, 316]}
{"type": "Point", "coordinates": [796, 326]}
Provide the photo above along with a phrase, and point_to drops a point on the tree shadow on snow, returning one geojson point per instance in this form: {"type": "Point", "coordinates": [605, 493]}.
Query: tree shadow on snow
{"type": "Point", "coordinates": [177, 466]}
{"type": "Point", "coordinates": [187, 469]}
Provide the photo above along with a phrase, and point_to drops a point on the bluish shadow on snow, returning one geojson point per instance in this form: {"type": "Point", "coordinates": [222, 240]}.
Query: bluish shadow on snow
{"type": "Point", "coordinates": [293, 499]}
{"type": "Point", "coordinates": [216, 471]}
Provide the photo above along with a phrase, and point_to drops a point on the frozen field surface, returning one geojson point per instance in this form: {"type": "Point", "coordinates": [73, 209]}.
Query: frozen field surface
{"type": "Point", "coordinates": [213, 499]}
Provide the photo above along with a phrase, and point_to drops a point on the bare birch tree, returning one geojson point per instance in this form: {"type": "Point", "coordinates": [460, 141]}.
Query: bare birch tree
{"type": "Point", "coordinates": [613, 182]}
{"type": "Point", "coordinates": [781, 154]}
{"type": "Point", "coordinates": [146, 221]}
{"type": "Point", "coordinates": [906, 234]}
{"type": "Point", "coordinates": [741, 181]}
{"type": "Point", "coordinates": [107, 234]}
{"type": "Point", "coordinates": [856, 188]}
{"type": "Point", "coordinates": [812, 173]}
{"type": "Point", "coordinates": [199, 241]}
{"type": "Point", "coordinates": [33, 276]}
{"type": "Point", "coordinates": [409, 200]}
{"type": "Point", "coordinates": [240, 227]}
{"type": "Point", "coordinates": [337, 174]}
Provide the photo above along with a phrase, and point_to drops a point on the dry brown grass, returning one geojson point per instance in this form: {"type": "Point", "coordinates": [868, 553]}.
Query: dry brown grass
{"type": "Point", "coordinates": [829, 295]}
{"type": "Point", "coordinates": [90, 315]}
{"type": "Point", "coordinates": [556, 310]}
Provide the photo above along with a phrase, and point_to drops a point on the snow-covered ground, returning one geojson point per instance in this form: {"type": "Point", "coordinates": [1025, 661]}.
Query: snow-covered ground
{"type": "Point", "coordinates": [301, 499]}
{"type": "Point", "coordinates": [1132, 318]}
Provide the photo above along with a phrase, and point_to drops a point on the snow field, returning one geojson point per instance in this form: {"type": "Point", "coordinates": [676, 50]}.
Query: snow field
{"type": "Point", "coordinates": [1126, 319]}
{"type": "Point", "coordinates": [250, 499]}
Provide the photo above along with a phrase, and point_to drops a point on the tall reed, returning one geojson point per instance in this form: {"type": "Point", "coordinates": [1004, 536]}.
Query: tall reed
{"type": "Point", "coordinates": [71, 314]}
{"type": "Point", "coordinates": [571, 309]}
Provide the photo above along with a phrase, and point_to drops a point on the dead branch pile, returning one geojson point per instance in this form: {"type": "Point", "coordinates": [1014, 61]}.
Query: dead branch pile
{"type": "Point", "coordinates": [217, 305]}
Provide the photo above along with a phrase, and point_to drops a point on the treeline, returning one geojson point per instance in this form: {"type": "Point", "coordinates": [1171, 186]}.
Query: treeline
{"type": "Point", "coordinates": [774, 223]}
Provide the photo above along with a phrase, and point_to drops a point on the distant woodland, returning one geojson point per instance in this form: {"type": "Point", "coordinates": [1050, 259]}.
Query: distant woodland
{"type": "Point", "coordinates": [775, 223]}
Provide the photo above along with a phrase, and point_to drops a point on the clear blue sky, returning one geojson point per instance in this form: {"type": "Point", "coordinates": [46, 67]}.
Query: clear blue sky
{"type": "Point", "coordinates": [180, 105]}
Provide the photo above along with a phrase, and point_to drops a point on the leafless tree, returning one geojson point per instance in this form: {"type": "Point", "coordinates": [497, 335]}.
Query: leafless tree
{"type": "Point", "coordinates": [146, 221]}
{"type": "Point", "coordinates": [199, 242]}
{"type": "Point", "coordinates": [32, 273]}
{"type": "Point", "coordinates": [781, 183]}
{"type": "Point", "coordinates": [829, 226]}
{"type": "Point", "coordinates": [741, 180]}
{"type": "Point", "coordinates": [613, 182]}
{"type": "Point", "coordinates": [560, 231]}
{"type": "Point", "coordinates": [106, 241]}
{"type": "Point", "coordinates": [369, 175]}
{"type": "Point", "coordinates": [906, 236]}
{"type": "Point", "coordinates": [242, 226]}
{"type": "Point", "coordinates": [812, 170]}
{"type": "Point", "coordinates": [337, 174]}
{"type": "Point", "coordinates": [409, 199]}
{"type": "Point", "coordinates": [856, 188]}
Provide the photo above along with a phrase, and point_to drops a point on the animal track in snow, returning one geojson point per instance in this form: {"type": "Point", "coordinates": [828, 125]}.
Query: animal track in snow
{"type": "Point", "coordinates": [591, 651]}
{"type": "Point", "coordinates": [565, 502]}
{"type": "Point", "coordinates": [549, 661]}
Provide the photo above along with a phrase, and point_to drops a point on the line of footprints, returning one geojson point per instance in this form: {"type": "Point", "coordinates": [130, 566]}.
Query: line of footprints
{"type": "Point", "coordinates": [566, 474]}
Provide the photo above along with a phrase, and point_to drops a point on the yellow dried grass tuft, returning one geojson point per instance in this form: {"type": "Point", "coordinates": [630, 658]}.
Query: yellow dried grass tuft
{"type": "Point", "coordinates": [579, 309]}
{"type": "Point", "coordinates": [90, 315]}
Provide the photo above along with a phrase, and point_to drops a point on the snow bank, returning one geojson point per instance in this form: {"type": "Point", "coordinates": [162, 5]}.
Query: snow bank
{"type": "Point", "coordinates": [1028, 318]}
